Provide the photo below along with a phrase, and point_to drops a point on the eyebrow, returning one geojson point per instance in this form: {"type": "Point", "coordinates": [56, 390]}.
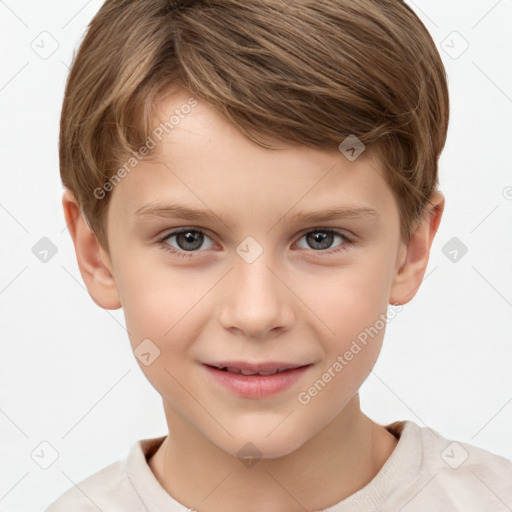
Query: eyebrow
{"type": "Point", "coordinates": [181, 211]}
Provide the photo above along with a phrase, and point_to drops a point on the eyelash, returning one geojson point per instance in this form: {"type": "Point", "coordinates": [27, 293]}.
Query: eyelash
{"type": "Point", "coordinates": [348, 241]}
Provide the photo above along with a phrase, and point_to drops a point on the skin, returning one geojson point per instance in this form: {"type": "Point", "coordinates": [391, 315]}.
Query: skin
{"type": "Point", "coordinates": [291, 304]}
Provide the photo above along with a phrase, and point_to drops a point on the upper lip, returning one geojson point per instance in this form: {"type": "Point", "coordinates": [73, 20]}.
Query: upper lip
{"type": "Point", "coordinates": [266, 366]}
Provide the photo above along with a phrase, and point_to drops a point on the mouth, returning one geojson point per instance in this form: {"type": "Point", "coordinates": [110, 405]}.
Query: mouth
{"type": "Point", "coordinates": [256, 369]}
{"type": "Point", "coordinates": [256, 381]}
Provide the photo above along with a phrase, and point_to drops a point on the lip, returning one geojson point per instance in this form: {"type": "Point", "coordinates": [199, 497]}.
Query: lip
{"type": "Point", "coordinates": [256, 386]}
{"type": "Point", "coordinates": [264, 366]}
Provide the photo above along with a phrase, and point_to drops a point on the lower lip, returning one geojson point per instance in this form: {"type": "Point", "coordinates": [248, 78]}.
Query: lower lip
{"type": "Point", "coordinates": [257, 386]}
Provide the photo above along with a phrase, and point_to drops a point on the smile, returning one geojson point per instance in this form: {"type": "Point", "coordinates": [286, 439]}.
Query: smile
{"type": "Point", "coordinates": [256, 381]}
{"type": "Point", "coordinates": [231, 369]}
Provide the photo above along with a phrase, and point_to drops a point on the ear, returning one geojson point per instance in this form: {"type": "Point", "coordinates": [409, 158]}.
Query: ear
{"type": "Point", "coordinates": [93, 260]}
{"type": "Point", "coordinates": [413, 257]}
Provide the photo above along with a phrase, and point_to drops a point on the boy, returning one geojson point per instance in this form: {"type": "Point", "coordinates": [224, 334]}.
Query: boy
{"type": "Point", "coordinates": [298, 142]}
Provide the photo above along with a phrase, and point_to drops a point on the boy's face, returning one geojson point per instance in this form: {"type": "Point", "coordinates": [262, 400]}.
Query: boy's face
{"type": "Point", "coordinates": [257, 287]}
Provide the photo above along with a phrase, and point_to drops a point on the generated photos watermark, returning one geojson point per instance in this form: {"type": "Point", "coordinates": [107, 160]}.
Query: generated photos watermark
{"type": "Point", "coordinates": [151, 142]}
{"type": "Point", "coordinates": [342, 360]}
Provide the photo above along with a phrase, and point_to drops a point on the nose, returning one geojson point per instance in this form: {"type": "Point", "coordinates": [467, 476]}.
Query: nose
{"type": "Point", "coordinates": [256, 302]}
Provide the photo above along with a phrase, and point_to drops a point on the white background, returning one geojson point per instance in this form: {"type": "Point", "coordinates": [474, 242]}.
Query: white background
{"type": "Point", "coordinates": [68, 376]}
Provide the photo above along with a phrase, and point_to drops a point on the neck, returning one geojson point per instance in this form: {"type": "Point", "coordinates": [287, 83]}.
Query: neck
{"type": "Point", "coordinates": [335, 463]}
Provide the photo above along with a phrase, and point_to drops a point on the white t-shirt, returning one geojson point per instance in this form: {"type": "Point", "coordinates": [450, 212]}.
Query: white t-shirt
{"type": "Point", "coordinates": [425, 473]}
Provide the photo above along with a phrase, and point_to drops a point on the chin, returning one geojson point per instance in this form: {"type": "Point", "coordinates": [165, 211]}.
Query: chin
{"type": "Point", "coordinates": [257, 444]}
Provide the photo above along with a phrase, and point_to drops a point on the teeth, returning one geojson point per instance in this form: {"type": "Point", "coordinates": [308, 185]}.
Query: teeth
{"type": "Point", "coordinates": [247, 372]}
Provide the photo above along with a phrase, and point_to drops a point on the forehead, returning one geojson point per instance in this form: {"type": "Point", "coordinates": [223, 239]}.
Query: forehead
{"type": "Point", "coordinates": [201, 159]}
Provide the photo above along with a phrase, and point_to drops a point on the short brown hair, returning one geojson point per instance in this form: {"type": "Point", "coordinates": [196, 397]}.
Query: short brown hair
{"type": "Point", "coordinates": [305, 72]}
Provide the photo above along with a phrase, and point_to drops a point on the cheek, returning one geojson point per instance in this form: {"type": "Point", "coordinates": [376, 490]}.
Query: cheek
{"type": "Point", "coordinates": [354, 306]}
{"type": "Point", "coordinates": [162, 305]}
{"type": "Point", "coordinates": [350, 299]}
{"type": "Point", "coordinates": [158, 303]}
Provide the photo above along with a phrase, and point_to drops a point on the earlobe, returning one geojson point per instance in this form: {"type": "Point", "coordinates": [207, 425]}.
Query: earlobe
{"type": "Point", "coordinates": [93, 262]}
{"type": "Point", "coordinates": [413, 259]}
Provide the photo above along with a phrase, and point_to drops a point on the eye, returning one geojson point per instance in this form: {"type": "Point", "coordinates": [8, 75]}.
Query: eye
{"type": "Point", "coordinates": [188, 240]}
{"type": "Point", "coordinates": [320, 239]}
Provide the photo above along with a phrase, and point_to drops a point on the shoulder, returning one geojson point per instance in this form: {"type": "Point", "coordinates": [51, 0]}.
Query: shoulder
{"type": "Point", "coordinates": [109, 490]}
{"type": "Point", "coordinates": [459, 473]}
{"type": "Point", "coordinates": [458, 456]}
